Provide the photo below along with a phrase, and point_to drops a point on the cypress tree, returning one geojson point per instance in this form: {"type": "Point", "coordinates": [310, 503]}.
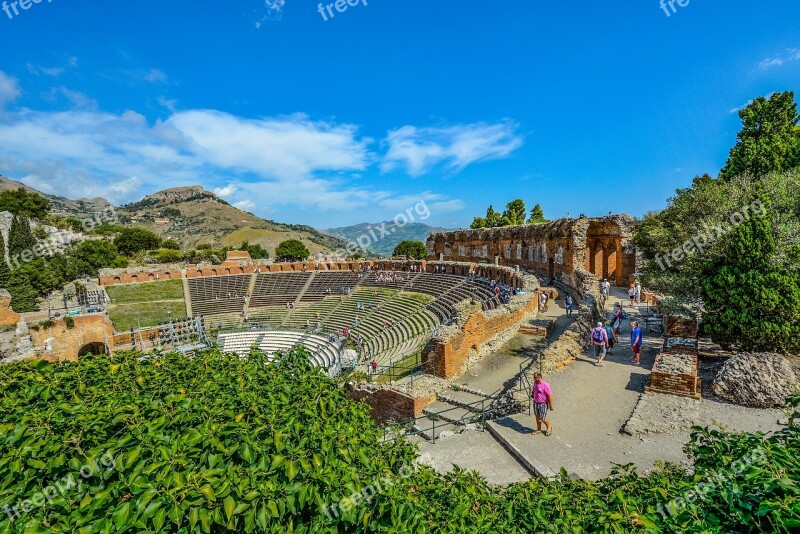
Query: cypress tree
{"type": "Point", "coordinates": [751, 301]}
{"type": "Point", "coordinates": [23, 295]}
{"type": "Point", "coordinates": [20, 236]}
{"type": "Point", "coordinates": [5, 272]}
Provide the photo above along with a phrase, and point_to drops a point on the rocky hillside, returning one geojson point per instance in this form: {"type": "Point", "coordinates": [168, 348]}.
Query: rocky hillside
{"type": "Point", "coordinates": [63, 206]}
{"type": "Point", "coordinates": [192, 216]}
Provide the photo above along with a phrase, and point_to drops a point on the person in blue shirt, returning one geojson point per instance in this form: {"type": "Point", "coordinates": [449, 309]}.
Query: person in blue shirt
{"type": "Point", "coordinates": [636, 342]}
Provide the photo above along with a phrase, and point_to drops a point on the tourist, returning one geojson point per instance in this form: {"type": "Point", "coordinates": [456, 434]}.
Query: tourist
{"type": "Point", "coordinates": [632, 294]}
{"type": "Point", "coordinates": [638, 292]}
{"type": "Point", "coordinates": [374, 366]}
{"type": "Point", "coordinates": [568, 302]}
{"type": "Point", "coordinates": [636, 342]}
{"type": "Point", "coordinates": [599, 340]}
{"type": "Point", "coordinates": [612, 337]}
{"type": "Point", "coordinates": [542, 402]}
{"type": "Point", "coordinates": [619, 315]}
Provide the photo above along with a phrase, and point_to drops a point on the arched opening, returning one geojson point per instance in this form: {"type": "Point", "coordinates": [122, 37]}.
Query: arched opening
{"type": "Point", "coordinates": [95, 347]}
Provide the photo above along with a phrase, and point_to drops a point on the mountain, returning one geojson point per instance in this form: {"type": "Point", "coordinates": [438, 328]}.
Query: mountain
{"type": "Point", "coordinates": [383, 245]}
{"type": "Point", "coordinates": [61, 206]}
{"type": "Point", "coordinates": [192, 216]}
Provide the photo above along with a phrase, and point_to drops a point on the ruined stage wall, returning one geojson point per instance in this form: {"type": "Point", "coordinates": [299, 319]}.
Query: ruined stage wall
{"type": "Point", "coordinates": [602, 246]}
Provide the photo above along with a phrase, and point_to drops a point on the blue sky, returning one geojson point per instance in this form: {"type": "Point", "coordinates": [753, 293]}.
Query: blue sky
{"type": "Point", "coordinates": [584, 107]}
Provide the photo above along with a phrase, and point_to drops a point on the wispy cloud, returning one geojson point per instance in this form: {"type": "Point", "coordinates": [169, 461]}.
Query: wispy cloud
{"type": "Point", "coordinates": [71, 61]}
{"type": "Point", "coordinates": [272, 10]}
{"type": "Point", "coordinates": [740, 108]}
{"type": "Point", "coordinates": [420, 150]}
{"type": "Point", "coordinates": [9, 89]}
{"type": "Point", "coordinates": [791, 55]}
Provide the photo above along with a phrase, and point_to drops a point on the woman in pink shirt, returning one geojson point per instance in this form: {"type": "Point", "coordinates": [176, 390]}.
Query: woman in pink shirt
{"type": "Point", "coordinates": [542, 402]}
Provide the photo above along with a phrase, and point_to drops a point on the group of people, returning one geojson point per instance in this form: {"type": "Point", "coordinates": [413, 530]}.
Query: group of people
{"type": "Point", "coordinates": [635, 293]}
{"type": "Point", "coordinates": [604, 337]}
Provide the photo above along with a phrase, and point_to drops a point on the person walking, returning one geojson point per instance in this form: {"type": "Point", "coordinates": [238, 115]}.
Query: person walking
{"type": "Point", "coordinates": [542, 402]}
{"type": "Point", "coordinates": [636, 342]}
{"type": "Point", "coordinates": [568, 303]}
{"type": "Point", "coordinates": [612, 338]}
{"type": "Point", "coordinates": [638, 292]}
{"type": "Point", "coordinates": [599, 340]}
{"type": "Point", "coordinates": [619, 315]}
{"type": "Point", "coordinates": [632, 294]}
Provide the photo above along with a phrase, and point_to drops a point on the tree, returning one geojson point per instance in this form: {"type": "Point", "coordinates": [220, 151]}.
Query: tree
{"type": "Point", "coordinates": [493, 219]}
{"type": "Point", "coordinates": [256, 251]}
{"type": "Point", "coordinates": [97, 254]}
{"type": "Point", "coordinates": [413, 249]}
{"type": "Point", "coordinates": [133, 240]}
{"type": "Point", "coordinates": [291, 250]}
{"type": "Point", "coordinates": [167, 255]}
{"type": "Point", "coordinates": [769, 140]}
{"type": "Point", "coordinates": [537, 215]}
{"type": "Point", "coordinates": [23, 296]}
{"type": "Point", "coordinates": [5, 272]}
{"type": "Point", "coordinates": [515, 213]}
{"type": "Point", "coordinates": [20, 236]}
{"type": "Point", "coordinates": [478, 222]}
{"type": "Point", "coordinates": [171, 244]}
{"type": "Point", "coordinates": [22, 202]}
{"type": "Point", "coordinates": [750, 301]}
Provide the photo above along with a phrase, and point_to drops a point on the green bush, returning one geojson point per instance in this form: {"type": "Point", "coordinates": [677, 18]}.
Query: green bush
{"type": "Point", "coordinates": [166, 255]}
{"type": "Point", "coordinates": [215, 443]}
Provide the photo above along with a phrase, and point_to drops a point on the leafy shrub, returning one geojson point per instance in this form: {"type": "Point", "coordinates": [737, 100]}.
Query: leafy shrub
{"type": "Point", "coordinates": [215, 443]}
{"type": "Point", "coordinates": [69, 322]}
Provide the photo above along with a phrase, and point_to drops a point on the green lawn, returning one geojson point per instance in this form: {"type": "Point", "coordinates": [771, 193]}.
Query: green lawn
{"type": "Point", "coordinates": [147, 313]}
{"type": "Point", "coordinates": [146, 292]}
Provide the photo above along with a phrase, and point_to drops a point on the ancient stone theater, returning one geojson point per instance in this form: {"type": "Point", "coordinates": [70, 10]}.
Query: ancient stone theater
{"type": "Point", "coordinates": [601, 246]}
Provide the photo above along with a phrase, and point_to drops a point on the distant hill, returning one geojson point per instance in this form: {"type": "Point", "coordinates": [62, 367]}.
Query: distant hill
{"type": "Point", "coordinates": [384, 246]}
{"type": "Point", "coordinates": [192, 216]}
{"type": "Point", "coordinates": [61, 205]}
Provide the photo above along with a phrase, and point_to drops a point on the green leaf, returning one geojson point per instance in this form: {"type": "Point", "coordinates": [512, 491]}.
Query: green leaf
{"type": "Point", "coordinates": [120, 516]}
{"type": "Point", "coordinates": [229, 505]}
{"type": "Point", "coordinates": [208, 492]}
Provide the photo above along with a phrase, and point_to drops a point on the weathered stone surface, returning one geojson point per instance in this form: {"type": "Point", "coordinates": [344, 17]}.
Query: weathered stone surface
{"type": "Point", "coordinates": [677, 364]}
{"type": "Point", "coordinates": [602, 246]}
{"type": "Point", "coordinates": [760, 380]}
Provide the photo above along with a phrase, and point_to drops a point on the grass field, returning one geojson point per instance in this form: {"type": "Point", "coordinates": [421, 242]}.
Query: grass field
{"type": "Point", "coordinates": [145, 304]}
{"type": "Point", "coordinates": [146, 292]}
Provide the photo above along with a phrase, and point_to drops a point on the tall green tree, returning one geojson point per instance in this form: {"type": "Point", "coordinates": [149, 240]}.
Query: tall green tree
{"type": "Point", "coordinates": [20, 236]}
{"type": "Point", "coordinates": [413, 249]}
{"type": "Point", "coordinates": [751, 302]}
{"type": "Point", "coordinates": [769, 140]}
{"type": "Point", "coordinates": [22, 202]}
{"type": "Point", "coordinates": [478, 222]}
{"type": "Point", "coordinates": [23, 295]}
{"type": "Point", "coordinates": [291, 250]}
{"type": "Point", "coordinates": [514, 213]}
{"type": "Point", "coordinates": [493, 218]}
{"type": "Point", "coordinates": [5, 272]}
{"type": "Point", "coordinates": [537, 215]}
{"type": "Point", "coordinates": [133, 240]}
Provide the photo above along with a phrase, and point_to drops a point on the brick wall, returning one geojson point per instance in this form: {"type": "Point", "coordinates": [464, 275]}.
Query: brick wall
{"type": "Point", "coordinates": [387, 404]}
{"type": "Point", "coordinates": [68, 342]}
{"type": "Point", "coordinates": [135, 278]}
{"type": "Point", "coordinates": [682, 385]}
{"type": "Point", "coordinates": [447, 357]}
{"type": "Point", "coordinates": [8, 317]}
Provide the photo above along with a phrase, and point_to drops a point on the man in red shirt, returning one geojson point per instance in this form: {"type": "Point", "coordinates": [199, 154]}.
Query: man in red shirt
{"type": "Point", "coordinates": [542, 402]}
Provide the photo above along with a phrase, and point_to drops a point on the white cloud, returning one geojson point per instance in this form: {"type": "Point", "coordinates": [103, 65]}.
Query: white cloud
{"type": "Point", "coordinates": [47, 71]}
{"type": "Point", "coordinates": [9, 89]}
{"type": "Point", "coordinates": [420, 150]}
{"type": "Point", "coordinates": [274, 164]}
{"type": "Point", "coordinates": [156, 76]}
{"type": "Point", "coordinates": [170, 104]}
{"type": "Point", "coordinates": [274, 11]}
{"type": "Point", "coordinates": [792, 54]}
{"type": "Point", "coordinates": [245, 205]}
{"type": "Point", "coordinates": [226, 191]}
